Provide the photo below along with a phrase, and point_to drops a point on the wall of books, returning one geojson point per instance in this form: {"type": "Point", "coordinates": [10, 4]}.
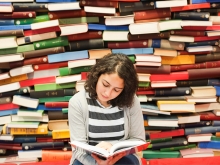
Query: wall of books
{"type": "Point", "coordinates": [48, 46]}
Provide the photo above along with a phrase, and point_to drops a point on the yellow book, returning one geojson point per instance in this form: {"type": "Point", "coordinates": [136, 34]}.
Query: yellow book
{"type": "Point", "coordinates": [41, 130]}
{"type": "Point", "coordinates": [14, 79]}
{"type": "Point", "coordinates": [178, 60]}
{"type": "Point", "coordinates": [61, 134]}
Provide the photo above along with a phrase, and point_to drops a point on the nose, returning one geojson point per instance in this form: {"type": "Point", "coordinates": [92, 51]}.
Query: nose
{"type": "Point", "coordinates": [108, 92]}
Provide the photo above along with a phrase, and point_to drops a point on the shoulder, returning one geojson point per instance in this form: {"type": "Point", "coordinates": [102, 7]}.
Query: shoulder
{"type": "Point", "coordinates": [79, 96]}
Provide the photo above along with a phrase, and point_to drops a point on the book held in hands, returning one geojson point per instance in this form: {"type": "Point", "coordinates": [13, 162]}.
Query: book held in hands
{"type": "Point", "coordinates": [129, 147]}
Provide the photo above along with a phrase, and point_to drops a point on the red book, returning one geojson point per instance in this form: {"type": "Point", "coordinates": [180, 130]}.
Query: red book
{"type": "Point", "coordinates": [31, 82]}
{"type": "Point", "coordinates": [10, 144]}
{"type": "Point", "coordinates": [185, 161]}
{"type": "Point", "coordinates": [50, 66]}
{"type": "Point", "coordinates": [206, 38]}
{"type": "Point", "coordinates": [146, 92]}
{"type": "Point", "coordinates": [129, 44]}
{"type": "Point", "coordinates": [8, 106]}
{"type": "Point", "coordinates": [144, 88]}
{"type": "Point", "coordinates": [84, 75]}
{"type": "Point", "coordinates": [56, 104]}
{"type": "Point", "coordinates": [48, 139]}
{"type": "Point", "coordinates": [175, 68]}
{"type": "Point", "coordinates": [85, 36]}
{"type": "Point", "coordinates": [183, 52]}
{"type": "Point", "coordinates": [24, 14]}
{"type": "Point", "coordinates": [164, 134]}
{"type": "Point", "coordinates": [11, 147]}
{"type": "Point", "coordinates": [190, 7]}
{"type": "Point", "coordinates": [66, 162]}
{"type": "Point", "coordinates": [37, 60]}
{"type": "Point", "coordinates": [213, 27]}
{"type": "Point", "coordinates": [40, 31]}
{"type": "Point", "coordinates": [208, 116]}
{"type": "Point", "coordinates": [172, 76]}
{"type": "Point", "coordinates": [213, 64]}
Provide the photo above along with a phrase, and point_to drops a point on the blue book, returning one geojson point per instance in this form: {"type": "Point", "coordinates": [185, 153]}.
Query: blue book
{"type": "Point", "coordinates": [210, 144]}
{"type": "Point", "coordinates": [204, 1]}
{"type": "Point", "coordinates": [156, 43]}
{"type": "Point", "coordinates": [217, 88]}
{"type": "Point", "coordinates": [56, 1]}
{"type": "Point", "coordinates": [104, 27]}
{"type": "Point", "coordinates": [216, 122]}
{"type": "Point", "coordinates": [201, 43]}
{"type": "Point", "coordinates": [6, 22]}
{"type": "Point", "coordinates": [134, 51]}
{"type": "Point", "coordinates": [24, 139]}
{"type": "Point", "coordinates": [213, 82]}
{"type": "Point", "coordinates": [5, 3]}
{"type": "Point", "coordinates": [8, 112]}
{"type": "Point", "coordinates": [68, 56]}
{"type": "Point", "coordinates": [15, 27]}
{"type": "Point", "coordinates": [202, 130]}
{"type": "Point", "coordinates": [42, 107]}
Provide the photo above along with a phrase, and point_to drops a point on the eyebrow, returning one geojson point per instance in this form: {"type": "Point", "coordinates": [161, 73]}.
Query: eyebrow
{"type": "Point", "coordinates": [110, 84]}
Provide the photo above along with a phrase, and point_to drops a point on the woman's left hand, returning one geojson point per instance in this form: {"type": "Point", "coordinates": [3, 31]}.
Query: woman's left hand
{"type": "Point", "coordinates": [104, 145]}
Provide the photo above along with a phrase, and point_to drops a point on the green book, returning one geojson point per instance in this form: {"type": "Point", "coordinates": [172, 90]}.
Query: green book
{"type": "Point", "coordinates": [50, 43]}
{"type": "Point", "coordinates": [53, 86]}
{"type": "Point", "coordinates": [215, 138]}
{"type": "Point", "coordinates": [69, 71]}
{"type": "Point", "coordinates": [65, 110]}
{"type": "Point", "coordinates": [54, 99]}
{"type": "Point", "coordinates": [132, 58]}
{"type": "Point", "coordinates": [161, 140]}
{"type": "Point", "coordinates": [143, 84]}
{"type": "Point", "coordinates": [78, 20]}
{"type": "Point", "coordinates": [178, 148]}
{"type": "Point", "coordinates": [150, 154]}
{"type": "Point", "coordinates": [23, 124]}
{"type": "Point", "coordinates": [19, 49]}
{"type": "Point", "coordinates": [28, 21]}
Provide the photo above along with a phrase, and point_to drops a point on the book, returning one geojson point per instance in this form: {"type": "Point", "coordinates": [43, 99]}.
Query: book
{"type": "Point", "coordinates": [127, 147]}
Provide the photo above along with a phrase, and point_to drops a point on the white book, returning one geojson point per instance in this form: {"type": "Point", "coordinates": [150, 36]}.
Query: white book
{"type": "Point", "coordinates": [68, 79]}
{"type": "Point", "coordinates": [7, 137]}
{"type": "Point", "coordinates": [4, 76]}
{"type": "Point", "coordinates": [199, 99]}
{"type": "Point", "coordinates": [79, 63]}
{"type": "Point", "coordinates": [73, 29]}
{"type": "Point", "coordinates": [9, 87]}
{"type": "Point", "coordinates": [43, 118]}
{"type": "Point", "coordinates": [214, 19]}
{"type": "Point", "coordinates": [9, 42]}
{"type": "Point", "coordinates": [216, 112]}
{"type": "Point", "coordinates": [206, 107]}
{"type": "Point", "coordinates": [199, 137]}
{"type": "Point", "coordinates": [16, 160]}
{"type": "Point", "coordinates": [44, 73]}
{"type": "Point", "coordinates": [153, 112]}
{"type": "Point", "coordinates": [189, 118]}
{"type": "Point", "coordinates": [147, 63]}
{"type": "Point", "coordinates": [196, 23]}
{"type": "Point", "coordinates": [11, 57]}
{"type": "Point", "coordinates": [171, 3]}
{"type": "Point", "coordinates": [203, 91]}
{"type": "Point", "coordinates": [80, 85]}
{"type": "Point", "coordinates": [119, 20]}
{"type": "Point", "coordinates": [115, 35]}
{"type": "Point", "coordinates": [28, 113]}
{"type": "Point", "coordinates": [25, 101]}
{"type": "Point", "coordinates": [5, 120]}
{"type": "Point", "coordinates": [30, 154]}
{"type": "Point", "coordinates": [106, 10]}
{"type": "Point", "coordinates": [163, 84]}
{"type": "Point", "coordinates": [163, 123]}
{"type": "Point", "coordinates": [181, 38]}
{"type": "Point", "coordinates": [21, 70]}
{"type": "Point", "coordinates": [44, 24]}
{"type": "Point", "coordinates": [199, 48]}
{"type": "Point", "coordinates": [146, 57]}
{"type": "Point", "coordinates": [169, 25]}
{"type": "Point", "coordinates": [37, 37]}
{"type": "Point", "coordinates": [63, 6]}
{"type": "Point", "coordinates": [142, 98]}
{"type": "Point", "coordinates": [143, 77]}
{"type": "Point", "coordinates": [6, 8]}
{"type": "Point", "coordinates": [144, 28]}
{"type": "Point", "coordinates": [213, 33]}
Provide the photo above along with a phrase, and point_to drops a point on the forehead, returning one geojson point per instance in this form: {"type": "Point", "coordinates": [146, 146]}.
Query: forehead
{"type": "Point", "coordinates": [113, 79]}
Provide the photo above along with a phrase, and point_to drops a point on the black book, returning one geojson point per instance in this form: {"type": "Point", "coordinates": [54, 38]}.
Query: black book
{"type": "Point", "coordinates": [178, 91]}
{"type": "Point", "coordinates": [52, 93]}
{"type": "Point", "coordinates": [215, 5]}
{"type": "Point", "coordinates": [202, 130]}
{"type": "Point", "coordinates": [42, 145]}
{"type": "Point", "coordinates": [197, 124]}
{"type": "Point", "coordinates": [165, 98]}
{"type": "Point", "coordinates": [57, 115]}
{"type": "Point", "coordinates": [69, 92]}
{"type": "Point", "coordinates": [38, 7]}
{"type": "Point", "coordinates": [21, 91]}
{"type": "Point", "coordinates": [85, 45]}
{"type": "Point", "coordinates": [180, 141]}
{"type": "Point", "coordinates": [203, 16]}
{"type": "Point", "coordinates": [203, 43]}
{"type": "Point", "coordinates": [125, 7]}
{"type": "Point", "coordinates": [207, 57]}
{"type": "Point", "coordinates": [161, 35]}
{"type": "Point", "coordinates": [189, 83]}
{"type": "Point", "coordinates": [212, 11]}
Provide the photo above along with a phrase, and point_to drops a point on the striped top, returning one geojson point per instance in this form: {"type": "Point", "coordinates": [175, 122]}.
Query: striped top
{"type": "Point", "coordinates": [105, 123]}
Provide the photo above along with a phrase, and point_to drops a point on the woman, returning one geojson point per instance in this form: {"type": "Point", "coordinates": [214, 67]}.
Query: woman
{"type": "Point", "coordinates": [107, 111]}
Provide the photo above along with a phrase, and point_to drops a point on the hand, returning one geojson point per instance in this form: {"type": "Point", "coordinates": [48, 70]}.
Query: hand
{"type": "Point", "coordinates": [104, 145]}
{"type": "Point", "coordinates": [110, 161]}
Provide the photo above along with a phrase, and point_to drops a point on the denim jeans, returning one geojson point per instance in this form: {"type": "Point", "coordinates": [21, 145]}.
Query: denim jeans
{"type": "Point", "coordinates": [126, 160]}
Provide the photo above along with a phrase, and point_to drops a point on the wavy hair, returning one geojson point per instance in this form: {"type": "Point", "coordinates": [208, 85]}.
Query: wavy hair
{"type": "Point", "coordinates": [123, 66]}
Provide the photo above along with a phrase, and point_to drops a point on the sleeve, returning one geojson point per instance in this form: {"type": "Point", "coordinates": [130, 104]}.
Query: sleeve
{"type": "Point", "coordinates": [77, 128]}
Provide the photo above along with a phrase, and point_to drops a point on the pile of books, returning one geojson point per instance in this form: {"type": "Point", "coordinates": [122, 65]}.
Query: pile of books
{"type": "Point", "coordinates": [48, 46]}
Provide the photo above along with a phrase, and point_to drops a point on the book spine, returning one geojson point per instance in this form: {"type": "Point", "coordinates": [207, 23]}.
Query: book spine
{"type": "Point", "coordinates": [14, 79]}
{"type": "Point", "coordinates": [41, 31]}
{"type": "Point", "coordinates": [43, 94]}
{"type": "Point", "coordinates": [177, 132]}
{"type": "Point", "coordinates": [34, 61]}
{"type": "Point", "coordinates": [50, 66]}
{"type": "Point", "coordinates": [68, 14]}
{"type": "Point", "coordinates": [35, 146]}
{"type": "Point", "coordinates": [5, 100]}
{"type": "Point", "coordinates": [180, 91]}
{"type": "Point", "coordinates": [163, 69]}
{"type": "Point", "coordinates": [203, 43]}
{"type": "Point", "coordinates": [25, 14]}
{"type": "Point", "coordinates": [211, 144]}
{"type": "Point", "coordinates": [197, 124]}
{"type": "Point", "coordinates": [161, 35]}
{"type": "Point", "coordinates": [56, 104]}
{"type": "Point", "coordinates": [201, 130]}
{"type": "Point", "coordinates": [84, 36]}
{"type": "Point", "coordinates": [129, 44]}
{"type": "Point", "coordinates": [188, 83]}
{"type": "Point", "coordinates": [41, 18]}
{"type": "Point", "coordinates": [187, 33]}
{"type": "Point", "coordinates": [42, 7]}
{"type": "Point", "coordinates": [177, 68]}
{"type": "Point", "coordinates": [203, 73]}
{"type": "Point", "coordinates": [204, 16]}
{"type": "Point", "coordinates": [213, 64]}
{"type": "Point", "coordinates": [98, 3]}
{"type": "Point", "coordinates": [32, 82]}
{"type": "Point", "coordinates": [8, 106]}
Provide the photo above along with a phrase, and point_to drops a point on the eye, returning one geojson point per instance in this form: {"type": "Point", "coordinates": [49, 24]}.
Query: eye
{"type": "Point", "coordinates": [105, 85]}
{"type": "Point", "coordinates": [116, 90]}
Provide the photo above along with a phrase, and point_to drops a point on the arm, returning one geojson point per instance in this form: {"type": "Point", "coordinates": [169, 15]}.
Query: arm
{"type": "Point", "coordinates": [77, 127]}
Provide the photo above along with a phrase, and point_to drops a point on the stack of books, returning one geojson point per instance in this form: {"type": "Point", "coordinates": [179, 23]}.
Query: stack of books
{"type": "Point", "coordinates": [48, 46]}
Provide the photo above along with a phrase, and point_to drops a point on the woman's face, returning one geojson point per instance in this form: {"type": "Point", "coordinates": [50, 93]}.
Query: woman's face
{"type": "Point", "coordinates": [108, 87]}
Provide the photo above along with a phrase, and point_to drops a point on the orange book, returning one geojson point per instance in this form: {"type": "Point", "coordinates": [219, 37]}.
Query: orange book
{"type": "Point", "coordinates": [217, 134]}
{"type": "Point", "coordinates": [178, 60]}
{"type": "Point", "coordinates": [145, 123]}
{"type": "Point", "coordinates": [98, 53]}
{"type": "Point", "coordinates": [14, 79]}
{"type": "Point", "coordinates": [56, 155]}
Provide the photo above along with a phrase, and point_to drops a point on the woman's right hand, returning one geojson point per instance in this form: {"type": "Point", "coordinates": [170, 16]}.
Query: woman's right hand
{"type": "Point", "coordinates": [110, 161]}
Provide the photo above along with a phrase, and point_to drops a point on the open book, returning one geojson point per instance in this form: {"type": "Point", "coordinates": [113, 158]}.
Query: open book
{"type": "Point", "coordinates": [129, 147]}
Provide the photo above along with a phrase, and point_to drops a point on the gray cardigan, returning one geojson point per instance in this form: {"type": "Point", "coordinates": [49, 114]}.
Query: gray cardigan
{"type": "Point", "coordinates": [78, 125]}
